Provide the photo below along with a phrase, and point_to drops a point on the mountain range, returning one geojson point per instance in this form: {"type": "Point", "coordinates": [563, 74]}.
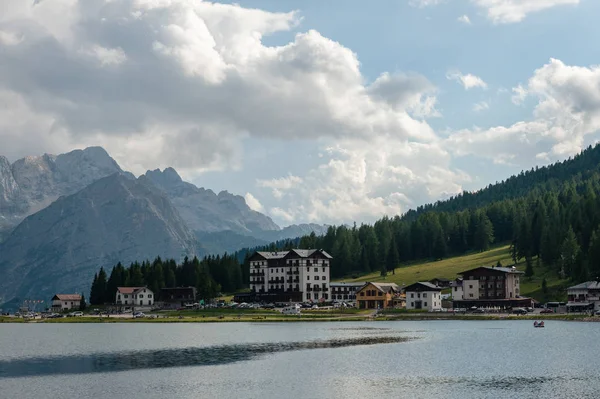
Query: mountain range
{"type": "Point", "coordinates": [62, 217]}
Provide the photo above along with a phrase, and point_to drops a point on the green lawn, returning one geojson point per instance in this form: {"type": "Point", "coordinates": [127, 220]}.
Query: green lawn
{"type": "Point", "coordinates": [448, 268]}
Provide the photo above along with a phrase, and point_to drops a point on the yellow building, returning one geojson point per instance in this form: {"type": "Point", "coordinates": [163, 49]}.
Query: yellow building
{"type": "Point", "coordinates": [377, 295]}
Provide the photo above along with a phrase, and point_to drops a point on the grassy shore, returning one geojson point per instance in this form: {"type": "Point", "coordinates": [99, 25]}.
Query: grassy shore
{"type": "Point", "coordinates": [305, 317]}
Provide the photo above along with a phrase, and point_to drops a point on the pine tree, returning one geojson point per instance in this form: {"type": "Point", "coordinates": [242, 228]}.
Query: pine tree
{"type": "Point", "coordinates": [529, 267]}
{"type": "Point", "coordinates": [82, 304]}
{"type": "Point", "coordinates": [484, 232]}
{"type": "Point", "coordinates": [594, 255]}
{"type": "Point", "coordinates": [569, 252]}
{"type": "Point", "coordinates": [94, 293]}
{"type": "Point", "coordinates": [393, 258]}
{"type": "Point", "coordinates": [103, 296]}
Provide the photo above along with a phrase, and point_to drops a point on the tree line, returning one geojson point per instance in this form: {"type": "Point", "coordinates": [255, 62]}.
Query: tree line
{"type": "Point", "coordinates": [210, 276]}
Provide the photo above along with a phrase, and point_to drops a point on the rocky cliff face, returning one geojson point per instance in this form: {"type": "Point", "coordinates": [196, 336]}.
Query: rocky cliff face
{"type": "Point", "coordinates": [204, 211]}
{"type": "Point", "coordinates": [113, 219]}
{"type": "Point", "coordinates": [32, 183]}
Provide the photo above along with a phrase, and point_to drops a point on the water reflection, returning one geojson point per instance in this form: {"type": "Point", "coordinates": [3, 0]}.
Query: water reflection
{"type": "Point", "coordinates": [213, 355]}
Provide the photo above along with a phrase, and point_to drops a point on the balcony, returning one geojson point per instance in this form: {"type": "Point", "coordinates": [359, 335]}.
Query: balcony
{"type": "Point", "coordinates": [308, 289]}
{"type": "Point", "coordinates": [257, 273]}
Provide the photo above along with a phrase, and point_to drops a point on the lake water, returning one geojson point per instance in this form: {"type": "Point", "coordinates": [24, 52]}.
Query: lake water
{"type": "Point", "coordinates": [449, 359]}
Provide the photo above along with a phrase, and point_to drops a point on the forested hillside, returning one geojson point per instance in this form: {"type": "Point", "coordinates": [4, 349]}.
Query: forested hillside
{"type": "Point", "coordinates": [549, 214]}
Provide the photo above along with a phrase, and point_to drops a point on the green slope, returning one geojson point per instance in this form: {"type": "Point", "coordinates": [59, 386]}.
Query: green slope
{"type": "Point", "coordinates": [448, 268]}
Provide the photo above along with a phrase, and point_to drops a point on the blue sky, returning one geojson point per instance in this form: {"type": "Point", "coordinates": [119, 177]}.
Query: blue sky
{"type": "Point", "coordinates": [339, 112]}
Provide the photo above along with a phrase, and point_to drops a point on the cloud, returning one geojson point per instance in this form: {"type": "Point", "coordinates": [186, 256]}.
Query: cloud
{"type": "Point", "coordinates": [464, 19]}
{"type": "Point", "coordinates": [253, 203]}
{"type": "Point", "coordinates": [481, 106]}
{"type": "Point", "coordinates": [10, 38]}
{"type": "Point", "coordinates": [519, 95]}
{"type": "Point", "coordinates": [567, 111]}
{"type": "Point", "coordinates": [511, 11]}
{"type": "Point", "coordinates": [425, 3]}
{"type": "Point", "coordinates": [468, 81]}
{"type": "Point", "coordinates": [106, 56]}
{"type": "Point", "coordinates": [183, 84]}
{"type": "Point", "coordinates": [360, 180]}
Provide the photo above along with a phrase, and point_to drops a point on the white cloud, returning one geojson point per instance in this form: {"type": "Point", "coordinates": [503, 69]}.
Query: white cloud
{"type": "Point", "coordinates": [10, 38]}
{"type": "Point", "coordinates": [519, 95]}
{"type": "Point", "coordinates": [481, 106]}
{"type": "Point", "coordinates": [253, 203]}
{"type": "Point", "coordinates": [511, 11]}
{"type": "Point", "coordinates": [567, 110]}
{"type": "Point", "coordinates": [464, 19]}
{"type": "Point", "coordinates": [106, 56]}
{"type": "Point", "coordinates": [425, 3]}
{"type": "Point", "coordinates": [185, 83]}
{"type": "Point", "coordinates": [468, 81]}
{"type": "Point", "coordinates": [360, 180]}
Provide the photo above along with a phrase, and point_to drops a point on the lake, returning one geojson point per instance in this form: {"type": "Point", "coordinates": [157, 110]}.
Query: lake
{"type": "Point", "coordinates": [413, 359]}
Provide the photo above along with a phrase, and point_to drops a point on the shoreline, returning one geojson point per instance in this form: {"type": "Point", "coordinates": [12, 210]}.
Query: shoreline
{"type": "Point", "coordinates": [271, 318]}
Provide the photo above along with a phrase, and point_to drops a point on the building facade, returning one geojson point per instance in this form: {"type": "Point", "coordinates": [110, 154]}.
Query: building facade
{"type": "Point", "coordinates": [456, 290]}
{"type": "Point", "coordinates": [377, 295]}
{"type": "Point", "coordinates": [62, 302]}
{"type": "Point", "coordinates": [177, 296]}
{"type": "Point", "coordinates": [344, 292]}
{"type": "Point", "coordinates": [491, 287]}
{"type": "Point", "coordinates": [298, 275]}
{"type": "Point", "coordinates": [423, 295]}
{"type": "Point", "coordinates": [584, 296]}
{"type": "Point", "coordinates": [134, 296]}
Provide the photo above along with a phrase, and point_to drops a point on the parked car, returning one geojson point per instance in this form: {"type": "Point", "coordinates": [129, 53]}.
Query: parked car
{"type": "Point", "coordinates": [597, 313]}
{"type": "Point", "coordinates": [529, 309]}
{"type": "Point", "coordinates": [519, 311]}
{"type": "Point", "coordinates": [137, 315]}
{"type": "Point", "coordinates": [479, 310]}
{"type": "Point", "coordinates": [546, 311]}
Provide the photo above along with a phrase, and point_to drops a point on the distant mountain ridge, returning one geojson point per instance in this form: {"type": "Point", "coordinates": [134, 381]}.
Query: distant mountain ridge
{"type": "Point", "coordinates": [113, 219]}
{"type": "Point", "coordinates": [205, 211]}
{"type": "Point", "coordinates": [34, 182]}
{"type": "Point", "coordinates": [62, 217]}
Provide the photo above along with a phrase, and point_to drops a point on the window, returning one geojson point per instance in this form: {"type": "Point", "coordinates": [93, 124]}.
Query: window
{"type": "Point", "coordinates": [307, 296]}
{"type": "Point", "coordinates": [126, 296]}
{"type": "Point", "coordinates": [455, 289]}
{"type": "Point", "coordinates": [308, 277]}
{"type": "Point", "coordinates": [141, 296]}
{"type": "Point", "coordinates": [316, 269]}
{"type": "Point", "coordinates": [424, 303]}
{"type": "Point", "coordinates": [316, 277]}
{"type": "Point", "coordinates": [323, 270]}
{"type": "Point", "coordinates": [470, 295]}
{"type": "Point", "coordinates": [316, 295]}
{"type": "Point", "coordinates": [470, 286]}
{"type": "Point", "coordinates": [324, 278]}
{"type": "Point", "coordinates": [412, 304]}
{"type": "Point", "coordinates": [424, 295]}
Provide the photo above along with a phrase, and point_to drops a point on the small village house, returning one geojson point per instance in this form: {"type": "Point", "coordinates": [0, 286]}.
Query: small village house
{"type": "Point", "coordinates": [583, 297]}
{"type": "Point", "coordinates": [423, 295]}
{"type": "Point", "coordinates": [134, 296]}
{"type": "Point", "coordinates": [62, 302]}
{"type": "Point", "coordinates": [177, 297]}
{"type": "Point", "coordinates": [377, 295]}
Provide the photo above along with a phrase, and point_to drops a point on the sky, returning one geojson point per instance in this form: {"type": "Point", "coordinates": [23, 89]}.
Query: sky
{"type": "Point", "coordinates": [315, 111]}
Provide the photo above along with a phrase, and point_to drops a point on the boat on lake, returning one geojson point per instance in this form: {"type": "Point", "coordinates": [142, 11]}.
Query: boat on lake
{"type": "Point", "coordinates": [538, 324]}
